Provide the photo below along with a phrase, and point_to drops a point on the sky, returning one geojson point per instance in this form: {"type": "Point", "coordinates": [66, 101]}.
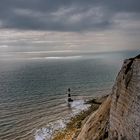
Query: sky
{"type": "Point", "coordinates": [69, 25]}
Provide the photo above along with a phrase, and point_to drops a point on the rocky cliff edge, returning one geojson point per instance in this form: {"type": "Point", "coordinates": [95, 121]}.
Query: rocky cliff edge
{"type": "Point", "coordinates": [118, 118]}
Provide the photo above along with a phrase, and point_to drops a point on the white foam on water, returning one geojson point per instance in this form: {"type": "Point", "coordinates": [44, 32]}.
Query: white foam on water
{"type": "Point", "coordinates": [48, 132]}
{"type": "Point", "coordinates": [78, 106]}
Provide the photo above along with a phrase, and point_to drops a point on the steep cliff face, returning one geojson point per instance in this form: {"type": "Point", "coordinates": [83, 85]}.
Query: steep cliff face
{"type": "Point", "coordinates": [124, 119]}
{"type": "Point", "coordinates": [118, 118]}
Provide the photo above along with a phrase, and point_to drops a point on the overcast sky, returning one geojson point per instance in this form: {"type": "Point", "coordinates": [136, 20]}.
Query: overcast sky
{"type": "Point", "coordinates": [63, 25]}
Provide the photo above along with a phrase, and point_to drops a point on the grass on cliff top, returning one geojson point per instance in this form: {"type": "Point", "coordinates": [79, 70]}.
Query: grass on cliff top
{"type": "Point", "coordinates": [73, 127]}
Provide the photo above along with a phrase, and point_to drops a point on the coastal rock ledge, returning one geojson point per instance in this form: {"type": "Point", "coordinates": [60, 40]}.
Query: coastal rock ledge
{"type": "Point", "coordinates": [118, 118]}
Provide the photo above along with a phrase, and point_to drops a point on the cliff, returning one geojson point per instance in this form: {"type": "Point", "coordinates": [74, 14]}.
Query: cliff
{"type": "Point", "coordinates": [118, 118]}
{"type": "Point", "coordinates": [125, 107]}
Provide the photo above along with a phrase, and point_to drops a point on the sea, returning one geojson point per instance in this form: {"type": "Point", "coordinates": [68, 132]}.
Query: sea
{"type": "Point", "coordinates": [33, 88]}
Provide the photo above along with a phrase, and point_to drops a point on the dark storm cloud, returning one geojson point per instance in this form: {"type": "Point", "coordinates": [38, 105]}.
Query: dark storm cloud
{"type": "Point", "coordinates": [64, 15]}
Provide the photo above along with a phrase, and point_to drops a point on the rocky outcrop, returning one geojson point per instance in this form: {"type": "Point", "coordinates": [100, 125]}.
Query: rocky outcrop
{"type": "Point", "coordinates": [125, 107]}
{"type": "Point", "coordinates": [96, 126]}
{"type": "Point", "coordinates": [118, 118]}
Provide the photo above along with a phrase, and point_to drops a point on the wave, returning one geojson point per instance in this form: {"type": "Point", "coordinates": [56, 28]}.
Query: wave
{"type": "Point", "coordinates": [48, 132]}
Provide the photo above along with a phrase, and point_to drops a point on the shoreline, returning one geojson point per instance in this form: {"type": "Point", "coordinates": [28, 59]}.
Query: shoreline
{"type": "Point", "coordinates": [47, 133]}
{"type": "Point", "coordinates": [76, 122]}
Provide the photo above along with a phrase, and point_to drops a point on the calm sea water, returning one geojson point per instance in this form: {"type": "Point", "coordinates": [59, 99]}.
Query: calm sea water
{"type": "Point", "coordinates": [33, 86]}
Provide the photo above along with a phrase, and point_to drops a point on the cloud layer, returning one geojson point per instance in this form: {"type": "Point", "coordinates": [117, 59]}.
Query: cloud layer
{"type": "Point", "coordinates": [66, 15]}
{"type": "Point", "coordinates": [69, 25]}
